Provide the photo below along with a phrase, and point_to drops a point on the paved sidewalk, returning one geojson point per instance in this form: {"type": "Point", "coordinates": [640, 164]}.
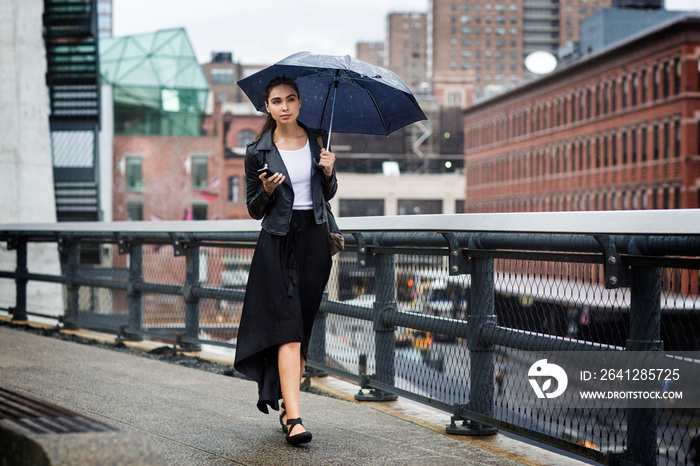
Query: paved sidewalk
{"type": "Point", "coordinates": [196, 417]}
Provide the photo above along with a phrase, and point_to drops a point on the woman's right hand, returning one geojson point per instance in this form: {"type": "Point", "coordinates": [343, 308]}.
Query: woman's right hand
{"type": "Point", "coordinates": [271, 182]}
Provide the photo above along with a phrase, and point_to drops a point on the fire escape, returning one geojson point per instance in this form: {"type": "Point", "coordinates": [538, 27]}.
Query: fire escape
{"type": "Point", "coordinates": [73, 80]}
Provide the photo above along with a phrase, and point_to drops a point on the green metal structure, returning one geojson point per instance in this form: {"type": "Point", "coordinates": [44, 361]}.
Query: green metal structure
{"type": "Point", "coordinates": [158, 86]}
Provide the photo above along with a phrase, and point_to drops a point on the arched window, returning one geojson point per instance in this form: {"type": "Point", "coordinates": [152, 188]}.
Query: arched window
{"type": "Point", "coordinates": [245, 137]}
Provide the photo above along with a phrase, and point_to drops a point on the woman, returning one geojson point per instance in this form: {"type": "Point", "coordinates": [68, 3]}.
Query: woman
{"type": "Point", "coordinates": [292, 259]}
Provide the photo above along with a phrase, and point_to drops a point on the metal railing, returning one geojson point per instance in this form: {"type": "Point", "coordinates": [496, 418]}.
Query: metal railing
{"type": "Point", "coordinates": [445, 310]}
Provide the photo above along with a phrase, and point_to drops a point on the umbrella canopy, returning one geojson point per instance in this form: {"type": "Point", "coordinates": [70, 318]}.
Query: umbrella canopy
{"type": "Point", "coordinates": [341, 93]}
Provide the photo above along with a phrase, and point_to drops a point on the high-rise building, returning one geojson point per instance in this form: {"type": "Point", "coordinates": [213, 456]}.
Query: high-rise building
{"type": "Point", "coordinates": [104, 18]}
{"type": "Point", "coordinates": [407, 49]}
{"type": "Point", "coordinates": [473, 45]}
{"type": "Point", "coordinates": [607, 26]}
{"type": "Point", "coordinates": [371, 52]}
{"type": "Point", "coordinates": [486, 41]}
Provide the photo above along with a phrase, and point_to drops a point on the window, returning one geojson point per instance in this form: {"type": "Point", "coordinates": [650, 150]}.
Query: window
{"type": "Point", "coordinates": [234, 190]}
{"type": "Point", "coordinates": [134, 211]}
{"type": "Point", "coordinates": [199, 171]}
{"type": "Point", "coordinates": [656, 76]}
{"type": "Point", "coordinates": [635, 89]}
{"type": "Point", "coordinates": [360, 207]}
{"type": "Point", "coordinates": [605, 98]}
{"type": "Point", "coordinates": [245, 137]}
{"type": "Point", "coordinates": [613, 96]}
{"type": "Point", "coordinates": [644, 86]}
{"type": "Point", "coordinates": [677, 138]}
{"type": "Point", "coordinates": [222, 76]}
{"type": "Point", "coordinates": [677, 75]}
{"type": "Point", "coordinates": [199, 211]}
{"type": "Point", "coordinates": [419, 207]}
{"type": "Point", "coordinates": [667, 141]}
{"type": "Point", "coordinates": [589, 104]}
{"type": "Point", "coordinates": [655, 148]}
{"type": "Point", "coordinates": [134, 180]}
{"type": "Point", "coordinates": [644, 145]}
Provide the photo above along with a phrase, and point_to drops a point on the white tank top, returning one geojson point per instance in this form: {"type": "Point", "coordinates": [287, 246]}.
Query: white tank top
{"type": "Point", "coordinates": [298, 163]}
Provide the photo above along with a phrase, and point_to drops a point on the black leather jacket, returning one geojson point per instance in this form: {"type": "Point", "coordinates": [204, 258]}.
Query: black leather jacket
{"type": "Point", "coordinates": [276, 211]}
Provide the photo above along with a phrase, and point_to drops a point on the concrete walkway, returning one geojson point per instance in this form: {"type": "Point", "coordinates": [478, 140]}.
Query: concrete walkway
{"type": "Point", "coordinates": [196, 417]}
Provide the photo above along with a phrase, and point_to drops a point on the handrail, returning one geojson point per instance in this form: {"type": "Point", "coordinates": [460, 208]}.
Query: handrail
{"type": "Point", "coordinates": [677, 222]}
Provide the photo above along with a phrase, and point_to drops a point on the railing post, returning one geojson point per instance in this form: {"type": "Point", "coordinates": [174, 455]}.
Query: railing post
{"type": "Point", "coordinates": [191, 301]}
{"type": "Point", "coordinates": [384, 335]}
{"type": "Point", "coordinates": [645, 335]}
{"type": "Point", "coordinates": [71, 319]}
{"type": "Point", "coordinates": [135, 296]}
{"type": "Point", "coordinates": [20, 310]}
{"type": "Point", "coordinates": [481, 357]}
{"type": "Point", "coordinates": [317, 344]}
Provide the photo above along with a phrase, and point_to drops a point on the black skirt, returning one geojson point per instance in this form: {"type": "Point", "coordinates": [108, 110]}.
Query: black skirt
{"type": "Point", "coordinates": [287, 278]}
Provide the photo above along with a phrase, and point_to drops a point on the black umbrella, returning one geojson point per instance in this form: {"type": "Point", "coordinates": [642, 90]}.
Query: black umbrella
{"type": "Point", "coordinates": [370, 99]}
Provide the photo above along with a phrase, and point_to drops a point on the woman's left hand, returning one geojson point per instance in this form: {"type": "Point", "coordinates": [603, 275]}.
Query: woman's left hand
{"type": "Point", "coordinates": [327, 161]}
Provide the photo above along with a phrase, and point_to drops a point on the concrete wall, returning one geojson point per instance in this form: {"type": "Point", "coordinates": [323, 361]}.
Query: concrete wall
{"type": "Point", "coordinates": [106, 153]}
{"type": "Point", "coordinates": [447, 187]}
{"type": "Point", "coordinates": [26, 173]}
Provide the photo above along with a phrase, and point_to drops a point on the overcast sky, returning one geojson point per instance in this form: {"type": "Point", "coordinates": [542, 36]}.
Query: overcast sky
{"type": "Point", "coordinates": [265, 31]}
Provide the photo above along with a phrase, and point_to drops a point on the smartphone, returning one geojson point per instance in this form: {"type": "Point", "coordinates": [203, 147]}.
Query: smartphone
{"type": "Point", "coordinates": [266, 171]}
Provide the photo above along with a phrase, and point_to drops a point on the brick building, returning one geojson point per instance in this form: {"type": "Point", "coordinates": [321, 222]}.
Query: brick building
{"type": "Point", "coordinates": [371, 52]}
{"type": "Point", "coordinates": [167, 178]}
{"type": "Point", "coordinates": [232, 120]}
{"type": "Point", "coordinates": [484, 43]}
{"type": "Point", "coordinates": [407, 48]}
{"type": "Point", "coordinates": [617, 130]}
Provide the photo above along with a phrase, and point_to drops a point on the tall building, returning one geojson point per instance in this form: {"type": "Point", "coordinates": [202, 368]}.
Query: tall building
{"type": "Point", "coordinates": [407, 49]}
{"type": "Point", "coordinates": [474, 45]}
{"type": "Point", "coordinates": [617, 130]}
{"type": "Point", "coordinates": [607, 26]}
{"type": "Point", "coordinates": [104, 18]}
{"type": "Point", "coordinates": [486, 42]}
{"type": "Point", "coordinates": [371, 52]}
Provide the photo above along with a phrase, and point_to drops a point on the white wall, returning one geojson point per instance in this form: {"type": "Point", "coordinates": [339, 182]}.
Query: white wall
{"type": "Point", "coordinates": [447, 187]}
{"type": "Point", "coordinates": [106, 152]}
{"type": "Point", "coordinates": [26, 172]}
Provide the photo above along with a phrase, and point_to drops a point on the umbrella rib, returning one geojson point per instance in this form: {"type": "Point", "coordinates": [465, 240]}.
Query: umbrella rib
{"type": "Point", "coordinates": [379, 112]}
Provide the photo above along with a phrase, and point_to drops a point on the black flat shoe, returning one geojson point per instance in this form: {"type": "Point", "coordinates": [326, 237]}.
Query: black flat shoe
{"type": "Point", "coordinates": [298, 439]}
{"type": "Point", "coordinates": [283, 413]}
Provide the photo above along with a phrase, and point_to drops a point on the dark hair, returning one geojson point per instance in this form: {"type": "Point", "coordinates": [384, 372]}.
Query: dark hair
{"type": "Point", "coordinates": [269, 121]}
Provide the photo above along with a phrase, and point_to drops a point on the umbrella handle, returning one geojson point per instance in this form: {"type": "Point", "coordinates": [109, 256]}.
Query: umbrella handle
{"type": "Point", "coordinates": [336, 81]}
